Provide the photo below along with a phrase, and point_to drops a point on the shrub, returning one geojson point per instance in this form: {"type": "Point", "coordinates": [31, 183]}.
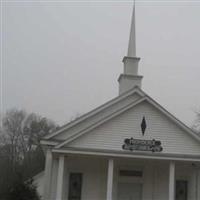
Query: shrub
{"type": "Point", "coordinates": [23, 191]}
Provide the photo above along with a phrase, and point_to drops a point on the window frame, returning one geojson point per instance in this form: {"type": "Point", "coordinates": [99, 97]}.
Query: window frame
{"type": "Point", "coordinates": [78, 196]}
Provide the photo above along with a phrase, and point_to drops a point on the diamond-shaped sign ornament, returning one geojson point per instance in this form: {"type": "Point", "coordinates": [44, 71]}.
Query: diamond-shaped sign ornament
{"type": "Point", "coordinates": [143, 125]}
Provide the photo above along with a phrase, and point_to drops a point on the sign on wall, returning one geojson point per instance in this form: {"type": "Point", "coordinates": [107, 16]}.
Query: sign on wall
{"type": "Point", "coordinates": [142, 145]}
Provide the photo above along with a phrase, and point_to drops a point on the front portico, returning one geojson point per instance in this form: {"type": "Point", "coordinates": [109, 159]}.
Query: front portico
{"type": "Point", "coordinates": [117, 178]}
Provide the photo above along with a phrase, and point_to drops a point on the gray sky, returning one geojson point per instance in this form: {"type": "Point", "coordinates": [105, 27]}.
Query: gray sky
{"type": "Point", "coordinates": [64, 58]}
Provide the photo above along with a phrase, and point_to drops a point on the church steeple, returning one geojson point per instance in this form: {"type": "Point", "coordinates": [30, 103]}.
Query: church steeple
{"type": "Point", "coordinates": [130, 77]}
{"type": "Point", "coordinates": [132, 37]}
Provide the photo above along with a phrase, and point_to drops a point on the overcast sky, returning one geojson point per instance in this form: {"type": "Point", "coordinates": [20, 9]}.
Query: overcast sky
{"type": "Point", "coordinates": [63, 59]}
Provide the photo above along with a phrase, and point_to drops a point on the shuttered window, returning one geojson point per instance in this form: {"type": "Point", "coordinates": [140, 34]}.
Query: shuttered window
{"type": "Point", "coordinates": [75, 186]}
{"type": "Point", "coordinates": [181, 190]}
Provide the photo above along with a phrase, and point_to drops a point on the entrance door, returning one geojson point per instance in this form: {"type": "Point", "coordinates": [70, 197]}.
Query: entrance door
{"type": "Point", "coordinates": [181, 190]}
{"type": "Point", "coordinates": [129, 191]}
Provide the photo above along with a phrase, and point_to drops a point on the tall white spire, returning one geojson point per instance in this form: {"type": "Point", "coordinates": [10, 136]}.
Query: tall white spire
{"type": "Point", "coordinates": [130, 78]}
{"type": "Point", "coordinates": [132, 37]}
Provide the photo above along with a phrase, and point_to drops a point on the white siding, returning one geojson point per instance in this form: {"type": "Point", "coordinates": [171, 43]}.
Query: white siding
{"type": "Point", "coordinates": [155, 177]}
{"type": "Point", "coordinates": [111, 135]}
{"type": "Point", "coordinates": [154, 181]}
{"type": "Point", "coordinates": [88, 122]}
{"type": "Point", "coordinates": [148, 183]}
{"type": "Point", "coordinates": [188, 172]}
{"type": "Point", "coordinates": [94, 172]}
{"type": "Point", "coordinates": [161, 182]}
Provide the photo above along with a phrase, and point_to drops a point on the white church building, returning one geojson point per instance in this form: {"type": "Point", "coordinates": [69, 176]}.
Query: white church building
{"type": "Point", "coordinates": [129, 148]}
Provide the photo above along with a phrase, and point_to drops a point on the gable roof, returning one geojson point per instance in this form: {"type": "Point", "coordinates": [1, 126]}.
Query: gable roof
{"type": "Point", "coordinates": [135, 90]}
{"type": "Point", "coordinates": [142, 97]}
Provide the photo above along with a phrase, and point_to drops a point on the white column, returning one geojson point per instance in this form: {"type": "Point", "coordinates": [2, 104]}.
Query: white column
{"type": "Point", "coordinates": [171, 180]}
{"type": "Point", "coordinates": [198, 184]}
{"type": "Point", "coordinates": [110, 179]}
{"type": "Point", "coordinates": [47, 176]}
{"type": "Point", "coordinates": [60, 178]}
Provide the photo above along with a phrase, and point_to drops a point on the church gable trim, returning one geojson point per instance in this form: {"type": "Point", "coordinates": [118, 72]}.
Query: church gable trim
{"type": "Point", "coordinates": [150, 101]}
{"type": "Point", "coordinates": [118, 112]}
{"type": "Point", "coordinates": [135, 90]}
{"type": "Point", "coordinates": [173, 118]}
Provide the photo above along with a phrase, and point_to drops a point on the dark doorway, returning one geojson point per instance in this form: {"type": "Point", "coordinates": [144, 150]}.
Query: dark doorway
{"type": "Point", "coordinates": [181, 190]}
{"type": "Point", "coordinates": [75, 185]}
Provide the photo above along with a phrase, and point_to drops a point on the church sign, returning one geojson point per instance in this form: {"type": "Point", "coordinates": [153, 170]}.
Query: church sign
{"type": "Point", "coordinates": [142, 145]}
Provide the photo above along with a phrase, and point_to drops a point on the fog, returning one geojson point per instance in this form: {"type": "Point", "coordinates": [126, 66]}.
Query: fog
{"type": "Point", "coordinates": [61, 59]}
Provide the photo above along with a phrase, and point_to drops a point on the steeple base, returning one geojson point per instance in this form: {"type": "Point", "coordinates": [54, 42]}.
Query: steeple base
{"type": "Point", "coordinates": [127, 82]}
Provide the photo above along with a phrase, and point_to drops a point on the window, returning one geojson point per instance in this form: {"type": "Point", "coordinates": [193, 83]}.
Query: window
{"type": "Point", "coordinates": [181, 190]}
{"type": "Point", "coordinates": [75, 186]}
{"type": "Point", "coordinates": [135, 173]}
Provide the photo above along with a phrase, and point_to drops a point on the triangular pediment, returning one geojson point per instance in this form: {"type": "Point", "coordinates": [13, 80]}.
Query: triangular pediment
{"type": "Point", "coordinates": [111, 134]}
{"type": "Point", "coordinates": [96, 115]}
{"type": "Point", "coordinates": [106, 127]}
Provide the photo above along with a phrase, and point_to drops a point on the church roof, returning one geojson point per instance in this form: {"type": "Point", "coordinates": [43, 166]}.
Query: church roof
{"type": "Point", "coordinates": [105, 112]}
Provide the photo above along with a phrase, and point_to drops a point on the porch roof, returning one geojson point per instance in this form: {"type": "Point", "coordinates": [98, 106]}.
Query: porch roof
{"type": "Point", "coordinates": [127, 154]}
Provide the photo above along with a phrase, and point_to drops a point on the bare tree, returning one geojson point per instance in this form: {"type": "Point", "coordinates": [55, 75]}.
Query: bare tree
{"type": "Point", "coordinates": [20, 149]}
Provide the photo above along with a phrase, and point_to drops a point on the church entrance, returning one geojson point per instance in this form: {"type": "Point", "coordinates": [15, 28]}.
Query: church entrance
{"type": "Point", "coordinates": [130, 184]}
{"type": "Point", "coordinates": [129, 191]}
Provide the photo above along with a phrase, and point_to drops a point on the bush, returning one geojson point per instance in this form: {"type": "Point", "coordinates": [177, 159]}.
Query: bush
{"type": "Point", "coordinates": [23, 191]}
